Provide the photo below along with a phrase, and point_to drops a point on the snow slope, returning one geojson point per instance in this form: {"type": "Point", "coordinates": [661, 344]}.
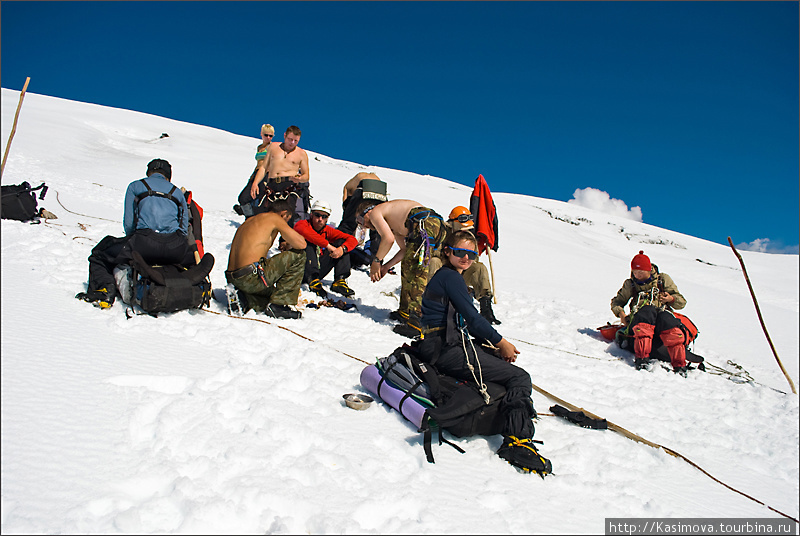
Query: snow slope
{"type": "Point", "coordinates": [201, 423]}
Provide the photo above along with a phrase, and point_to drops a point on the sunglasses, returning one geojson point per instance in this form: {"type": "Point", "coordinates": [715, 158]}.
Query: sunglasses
{"type": "Point", "coordinates": [268, 135]}
{"type": "Point", "coordinates": [321, 215]}
{"type": "Point", "coordinates": [461, 253]}
{"type": "Point", "coordinates": [463, 218]}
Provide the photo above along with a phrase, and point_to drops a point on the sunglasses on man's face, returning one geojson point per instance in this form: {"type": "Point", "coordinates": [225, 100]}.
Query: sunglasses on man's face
{"type": "Point", "coordinates": [320, 215]}
{"type": "Point", "coordinates": [461, 253]}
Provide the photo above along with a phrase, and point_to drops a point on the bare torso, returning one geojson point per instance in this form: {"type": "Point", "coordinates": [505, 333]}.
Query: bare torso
{"type": "Point", "coordinates": [255, 237]}
{"type": "Point", "coordinates": [394, 213]}
{"type": "Point", "coordinates": [283, 164]}
{"type": "Point", "coordinates": [389, 219]}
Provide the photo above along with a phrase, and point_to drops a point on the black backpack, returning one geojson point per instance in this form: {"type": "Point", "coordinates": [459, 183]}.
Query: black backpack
{"type": "Point", "coordinates": [458, 406]}
{"type": "Point", "coordinates": [19, 201]}
{"type": "Point", "coordinates": [166, 289]}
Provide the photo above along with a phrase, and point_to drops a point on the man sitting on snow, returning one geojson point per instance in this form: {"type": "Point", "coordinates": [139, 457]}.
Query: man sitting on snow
{"type": "Point", "coordinates": [328, 249]}
{"type": "Point", "coordinates": [652, 296]}
{"type": "Point", "coordinates": [156, 222]}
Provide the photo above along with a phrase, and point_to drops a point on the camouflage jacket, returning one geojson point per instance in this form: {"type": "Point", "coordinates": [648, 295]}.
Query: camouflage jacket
{"type": "Point", "coordinates": [629, 293]}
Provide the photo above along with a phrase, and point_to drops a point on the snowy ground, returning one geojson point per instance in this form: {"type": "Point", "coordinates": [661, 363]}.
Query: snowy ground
{"type": "Point", "coordinates": [201, 423]}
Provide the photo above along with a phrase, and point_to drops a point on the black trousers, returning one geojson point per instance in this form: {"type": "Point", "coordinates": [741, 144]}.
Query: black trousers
{"type": "Point", "coordinates": [155, 248]}
{"type": "Point", "coordinates": [318, 266]}
{"type": "Point", "coordinates": [517, 406]}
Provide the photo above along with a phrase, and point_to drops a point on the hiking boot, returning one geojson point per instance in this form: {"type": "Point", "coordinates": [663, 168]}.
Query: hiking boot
{"type": "Point", "coordinates": [340, 286]}
{"type": "Point", "coordinates": [281, 311]}
{"type": "Point", "coordinates": [681, 371]}
{"type": "Point", "coordinates": [315, 286]}
{"type": "Point", "coordinates": [101, 297]}
{"type": "Point", "coordinates": [238, 210]}
{"type": "Point", "coordinates": [407, 330]}
{"type": "Point", "coordinates": [523, 455]}
{"type": "Point", "coordinates": [237, 301]}
{"type": "Point", "coordinates": [641, 363]}
{"type": "Point", "coordinates": [398, 316]}
{"type": "Point", "coordinates": [486, 310]}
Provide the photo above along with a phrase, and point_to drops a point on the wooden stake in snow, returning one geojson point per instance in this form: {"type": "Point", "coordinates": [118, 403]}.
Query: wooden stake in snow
{"type": "Point", "coordinates": [760, 318]}
{"type": "Point", "coordinates": [14, 128]}
{"type": "Point", "coordinates": [491, 271]}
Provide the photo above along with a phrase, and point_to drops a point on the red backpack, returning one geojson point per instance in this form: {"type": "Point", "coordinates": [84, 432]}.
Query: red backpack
{"type": "Point", "coordinates": [688, 327]}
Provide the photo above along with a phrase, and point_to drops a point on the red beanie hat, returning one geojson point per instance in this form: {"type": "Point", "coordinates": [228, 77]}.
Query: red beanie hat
{"type": "Point", "coordinates": [641, 262]}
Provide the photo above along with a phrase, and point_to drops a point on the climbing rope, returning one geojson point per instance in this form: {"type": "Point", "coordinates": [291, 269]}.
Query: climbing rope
{"type": "Point", "coordinates": [285, 329]}
{"type": "Point", "coordinates": [611, 426]}
{"type": "Point", "coordinates": [79, 214]}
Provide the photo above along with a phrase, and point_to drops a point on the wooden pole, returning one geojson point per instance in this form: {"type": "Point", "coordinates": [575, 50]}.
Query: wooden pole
{"type": "Point", "coordinates": [14, 128]}
{"type": "Point", "coordinates": [760, 318]}
{"type": "Point", "coordinates": [491, 271]}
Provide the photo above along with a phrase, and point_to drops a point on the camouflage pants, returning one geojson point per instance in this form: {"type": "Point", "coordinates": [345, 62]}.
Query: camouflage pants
{"type": "Point", "coordinates": [282, 273]}
{"type": "Point", "coordinates": [414, 266]}
{"type": "Point", "coordinates": [476, 277]}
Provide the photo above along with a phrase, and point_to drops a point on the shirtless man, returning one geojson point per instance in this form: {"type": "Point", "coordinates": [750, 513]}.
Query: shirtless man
{"type": "Point", "coordinates": [412, 226]}
{"type": "Point", "coordinates": [269, 285]}
{"type": "Point", "coordinates": [352, 195]}
{"type": "Point", "coordinates": [285, 168]}
{"type": "Point", "coordinates": [351, 185]}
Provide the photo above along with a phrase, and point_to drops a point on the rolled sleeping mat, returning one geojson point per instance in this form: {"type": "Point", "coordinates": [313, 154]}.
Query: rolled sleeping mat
{"type": "Point", "coordinates": [408, 407]}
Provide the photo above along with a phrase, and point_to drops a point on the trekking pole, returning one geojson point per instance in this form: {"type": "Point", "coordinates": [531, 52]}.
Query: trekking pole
{"type": "Point", "coordinates": [14, 128]}
{"type": "Point", "coordinates": [760, 318]}
{"type": "Point", "coordinates": [491, 270]}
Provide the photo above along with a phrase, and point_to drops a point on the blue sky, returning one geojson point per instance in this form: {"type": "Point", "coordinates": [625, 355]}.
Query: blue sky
{"type": "Point", "coordinates": [688, 110]}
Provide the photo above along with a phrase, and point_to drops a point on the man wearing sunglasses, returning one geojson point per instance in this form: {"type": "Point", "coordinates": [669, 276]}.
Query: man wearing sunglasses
{"type": "Point", "coordinates": [328, 249]}
{"type": "Point", "coordinates": [475, 276]}
{"type": "Point", "coordinates": [418, 232]}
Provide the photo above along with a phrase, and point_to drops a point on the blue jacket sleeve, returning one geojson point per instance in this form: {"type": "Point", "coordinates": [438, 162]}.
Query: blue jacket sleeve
{"type": "Point", "coordinates": [127, 219]}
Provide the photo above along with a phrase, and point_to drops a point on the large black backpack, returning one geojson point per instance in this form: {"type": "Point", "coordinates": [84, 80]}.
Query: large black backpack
{"type": "Point", "coordinates": [453, 405]}
{"type": "Point", "coordinates": [19, 201]}
{"type": "Point", "coordinates": [166, 289]}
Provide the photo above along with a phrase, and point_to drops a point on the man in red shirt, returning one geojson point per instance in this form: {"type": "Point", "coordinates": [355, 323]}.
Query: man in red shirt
{"type": "Point", "coordinates": [328, 248]}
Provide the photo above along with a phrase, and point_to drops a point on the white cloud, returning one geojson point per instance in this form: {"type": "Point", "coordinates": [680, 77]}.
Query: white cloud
{"type": "Point", "coordinates": [600, 200]}
{"type": "Point", "coordinates": [765, 245]}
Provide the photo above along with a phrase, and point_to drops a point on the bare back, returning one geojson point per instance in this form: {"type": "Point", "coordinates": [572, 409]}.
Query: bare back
{"type": "Point", "coordinates": [351, 185]}
{"type": "Point", "coordinates": [255, 237]}
{"type": "Point", "coordinates": [394, 214]}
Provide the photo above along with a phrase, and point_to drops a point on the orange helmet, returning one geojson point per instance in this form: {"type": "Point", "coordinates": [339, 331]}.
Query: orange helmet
{"type": "Point", "coordinates": [462, 215]}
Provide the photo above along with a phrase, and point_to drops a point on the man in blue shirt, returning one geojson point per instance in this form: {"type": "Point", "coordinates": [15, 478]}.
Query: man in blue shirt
{"type": "Point", "coordinates": [156, 222]}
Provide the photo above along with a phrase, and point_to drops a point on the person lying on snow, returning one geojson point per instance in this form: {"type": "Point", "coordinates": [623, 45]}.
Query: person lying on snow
{"type": "Point", "coordinates": [156, 223]}
{"type": "Point", "coordinates": [268, 285]}
{"type": "Point", "coordinates": [447, 298]}
{"type": "Point", "coordinates": [652, 297]}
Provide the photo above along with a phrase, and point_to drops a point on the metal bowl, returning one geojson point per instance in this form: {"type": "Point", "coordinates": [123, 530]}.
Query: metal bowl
{"type": "Point", "coordinates": [357, 401]}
